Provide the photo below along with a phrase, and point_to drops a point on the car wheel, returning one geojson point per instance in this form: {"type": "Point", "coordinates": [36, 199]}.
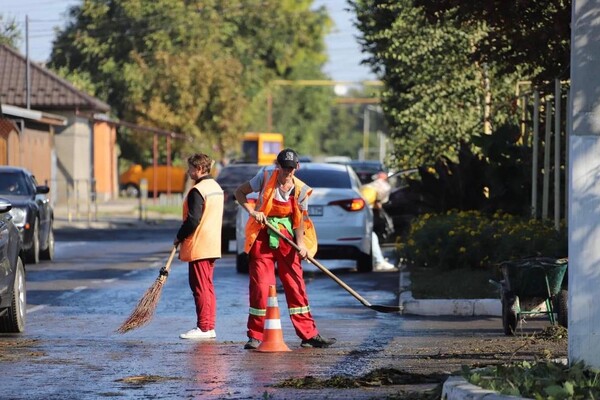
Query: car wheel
{"type": "Point", "coordinates": [241, 263]}
{"type": "Point", "coordinates": [32, 255]}
{"type": "Point", "coordinates": [14, 320]}
{"type": "Point", "coordinates": [364, 263]}
{"type": "Point", "coordinates": [48, 252]}
{"type": "Point", "coordinates": [132, 190]}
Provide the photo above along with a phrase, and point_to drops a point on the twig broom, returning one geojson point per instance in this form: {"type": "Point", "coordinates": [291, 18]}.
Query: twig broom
{"type": "Point", "coordinates": [144, 311]}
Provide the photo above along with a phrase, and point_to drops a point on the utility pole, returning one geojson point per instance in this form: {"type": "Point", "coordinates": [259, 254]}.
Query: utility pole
{"type": "Point", "coordinates": [28, 65]}
{"type": "Point", "coordinates": [584, 184]}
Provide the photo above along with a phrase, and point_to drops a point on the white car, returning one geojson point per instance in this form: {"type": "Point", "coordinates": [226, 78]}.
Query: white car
{"type": "Point", "coordinates": [342, 218]}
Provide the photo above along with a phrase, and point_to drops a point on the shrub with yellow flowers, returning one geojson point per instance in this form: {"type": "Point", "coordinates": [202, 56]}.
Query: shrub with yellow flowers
{"type": "Point", "coordinates": [458, 239]}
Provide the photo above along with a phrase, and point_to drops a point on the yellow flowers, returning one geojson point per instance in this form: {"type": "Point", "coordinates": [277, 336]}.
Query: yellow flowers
{"type": "Point", "coordinates": [456, 239]}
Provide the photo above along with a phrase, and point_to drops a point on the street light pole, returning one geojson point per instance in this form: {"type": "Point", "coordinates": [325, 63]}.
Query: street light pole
{"type": "Point", "coordinates": [366, 127]}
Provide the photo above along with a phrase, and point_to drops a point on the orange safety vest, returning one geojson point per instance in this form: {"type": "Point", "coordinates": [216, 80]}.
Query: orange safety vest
{"type": "Point", "coordinates": [205, 242]}
{"type": "Point", "coordinates": [299, 215]}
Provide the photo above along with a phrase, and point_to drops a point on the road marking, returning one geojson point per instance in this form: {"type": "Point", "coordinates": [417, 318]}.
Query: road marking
{"type": "Point", "coordinates": [109, 280]}
{"type": "Point", "coordinates": [36, 308]}
{"type": "Point", "coordinates": [72, 292]}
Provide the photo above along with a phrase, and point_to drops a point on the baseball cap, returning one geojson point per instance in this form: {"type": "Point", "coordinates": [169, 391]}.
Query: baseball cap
{"type": "Point", "coordinates": [288, 158]}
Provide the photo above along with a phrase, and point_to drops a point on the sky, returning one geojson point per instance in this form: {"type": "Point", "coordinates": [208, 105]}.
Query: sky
{"type": "Point", "coordinates": [342, 47]}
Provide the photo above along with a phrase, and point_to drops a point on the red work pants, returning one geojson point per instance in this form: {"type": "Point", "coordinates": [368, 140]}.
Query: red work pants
{"type": "Point", "coordinates": [262, 275]}
{"type": "Point", "coordinates": [201, 282]}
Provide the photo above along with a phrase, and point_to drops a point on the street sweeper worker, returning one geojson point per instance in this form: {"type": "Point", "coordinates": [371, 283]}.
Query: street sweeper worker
{"type": "Point", "coordinates": [199, 238]}
{"type": "Point", "coordinates": [282, 201]}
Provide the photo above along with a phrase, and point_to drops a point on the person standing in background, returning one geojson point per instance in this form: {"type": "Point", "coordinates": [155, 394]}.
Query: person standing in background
{"type": "Point", "coordinates": [199, 238]}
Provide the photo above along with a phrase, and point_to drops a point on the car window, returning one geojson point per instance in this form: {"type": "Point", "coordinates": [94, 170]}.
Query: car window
{"type": "Point", "coordinates": [14, 183]}
{"type": "Point", "coordinates": [237, 175]}
{"type": "Point", "coordinates": [317, 178]}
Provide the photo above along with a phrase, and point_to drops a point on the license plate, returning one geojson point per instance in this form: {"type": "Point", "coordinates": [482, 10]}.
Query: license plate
{"type": "Point", "coordinates": [315, 211]}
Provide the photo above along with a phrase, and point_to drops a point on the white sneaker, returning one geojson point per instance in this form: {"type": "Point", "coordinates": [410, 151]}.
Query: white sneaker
{"type": "Point", "coordinates": [385, 266]}
{"type": "Point", "coordinates": [198, 334]}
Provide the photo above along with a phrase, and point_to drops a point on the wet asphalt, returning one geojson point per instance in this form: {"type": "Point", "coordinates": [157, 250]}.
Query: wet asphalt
{"type": "Point", "coordinates": [70, 349]}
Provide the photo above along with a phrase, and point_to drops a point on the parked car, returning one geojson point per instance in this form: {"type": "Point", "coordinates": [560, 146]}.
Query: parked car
{"type": "Point", "coordinates": [402, 205]}
{"type": "Point", "coordinates": [12, 274]}
{"type": "Point", "coordinates": [364, 169]}
{"type": "Point", "coordinates": [342, 218]}
{"type": "Point", "coordinates": [168, 179]}
{"type": "Point", "coordinates": [31, 211]}
{"type": "Point", "coordinates": [230, 177]}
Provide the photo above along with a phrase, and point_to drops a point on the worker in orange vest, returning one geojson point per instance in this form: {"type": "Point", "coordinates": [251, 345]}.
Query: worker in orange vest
{"type": "Point", "coordinates": [200, 240]}
{"type": "Point", "coordinates": [283, 201]}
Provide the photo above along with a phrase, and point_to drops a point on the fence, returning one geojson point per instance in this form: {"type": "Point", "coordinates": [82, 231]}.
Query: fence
{"type": "Point", "coordinates": [544, 108]}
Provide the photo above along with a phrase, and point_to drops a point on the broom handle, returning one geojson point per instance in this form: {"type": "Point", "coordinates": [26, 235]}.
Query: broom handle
{"type": "Point", "coordinates": [320, 266]}
{"type": "Point", "coordinates": [167, 266]}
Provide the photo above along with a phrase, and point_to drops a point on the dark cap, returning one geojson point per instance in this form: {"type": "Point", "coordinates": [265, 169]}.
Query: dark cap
{"type": "Point", "coordinates": [288, 158]}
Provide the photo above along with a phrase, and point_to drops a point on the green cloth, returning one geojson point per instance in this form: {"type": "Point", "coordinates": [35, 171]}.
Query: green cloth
{"type": "Point", "coordinates": [276, 221]}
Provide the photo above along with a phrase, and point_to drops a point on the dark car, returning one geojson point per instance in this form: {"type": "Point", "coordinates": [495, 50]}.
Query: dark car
{"type": "Point", "coordinates": [364, 169]}
{"type": "Point", "coordinates": [12, 274]}
{"type": "Point", "coordinates": [31, 211]}
{"type": "Point", "coordinates": [230, 177]}
{"type": "Point", "coordinates": [402, 206]}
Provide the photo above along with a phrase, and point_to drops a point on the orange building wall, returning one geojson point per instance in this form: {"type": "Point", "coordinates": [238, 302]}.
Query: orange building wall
{"type": "Point", "coordinates": [105, 160]}
{"type": "Point", "coordinates": [36, 149]}
{"type": "Point", "coordinates": [9, 143]}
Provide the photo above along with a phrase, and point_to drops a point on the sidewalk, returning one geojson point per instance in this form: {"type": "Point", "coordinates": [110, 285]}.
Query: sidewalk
{"type": "Point", "coordinates": [113, 214]}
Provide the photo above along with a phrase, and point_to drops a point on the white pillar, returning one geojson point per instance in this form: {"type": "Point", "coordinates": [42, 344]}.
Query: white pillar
{"type": "Point", "coordinates": [584, 185]}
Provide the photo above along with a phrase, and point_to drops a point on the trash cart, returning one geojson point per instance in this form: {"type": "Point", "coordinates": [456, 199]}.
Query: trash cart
{"type": "Point", "coordinates": [533, 286]}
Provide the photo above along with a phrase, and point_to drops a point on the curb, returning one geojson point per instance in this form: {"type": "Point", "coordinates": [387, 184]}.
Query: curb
{"type": "Point", "coordinates": [450, 307]}
{"type": "Point", "coordinates": [457, 388]}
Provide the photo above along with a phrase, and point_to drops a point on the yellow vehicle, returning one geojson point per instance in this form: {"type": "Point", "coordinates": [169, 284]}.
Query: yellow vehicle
{"type": "Point", "coordinates": [261, 148]}
{"type": "Point", "coordinates": [168, 179]}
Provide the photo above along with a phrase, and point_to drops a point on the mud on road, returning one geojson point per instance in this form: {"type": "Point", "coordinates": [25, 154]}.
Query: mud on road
{"type": "Point", "coordinates": [410, 366]}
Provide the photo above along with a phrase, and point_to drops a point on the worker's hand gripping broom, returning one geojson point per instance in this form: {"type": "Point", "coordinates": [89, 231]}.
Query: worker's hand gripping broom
{"type": "Point", "coordinates": [144, 311]}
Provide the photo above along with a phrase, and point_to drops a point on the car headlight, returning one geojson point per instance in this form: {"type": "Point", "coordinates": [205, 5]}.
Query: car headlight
{"type": "Point", "coordinates": [19, 216]}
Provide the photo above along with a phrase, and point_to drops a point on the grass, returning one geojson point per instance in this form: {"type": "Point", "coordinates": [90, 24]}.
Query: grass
{"type": "Point", "coordinates": [460, 283]}
{"type": "Point", "coordinates": [165, 209]}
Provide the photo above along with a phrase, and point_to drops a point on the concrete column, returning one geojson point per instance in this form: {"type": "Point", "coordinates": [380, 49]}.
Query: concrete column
{"type": "Point", "coordinates": [584, 185]}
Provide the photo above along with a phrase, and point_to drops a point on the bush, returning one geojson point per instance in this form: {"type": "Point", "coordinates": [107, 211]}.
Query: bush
{"type": "Point", "coordinates": [458, 239]}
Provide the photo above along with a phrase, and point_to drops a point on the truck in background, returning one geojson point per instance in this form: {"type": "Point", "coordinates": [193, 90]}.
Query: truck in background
{"type": "Point", "coordinates": [261, 147]}
{"type": "Point", "coordinates": [169, 179]}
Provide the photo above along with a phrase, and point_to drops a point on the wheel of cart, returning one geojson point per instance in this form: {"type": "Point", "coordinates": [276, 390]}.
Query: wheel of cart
{"type": "Point", "coordinates": [533, 286]}
{"type": "Point", "coordinates": [510, 307]}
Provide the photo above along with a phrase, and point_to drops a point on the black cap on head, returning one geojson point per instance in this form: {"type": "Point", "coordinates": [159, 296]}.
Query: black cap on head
{"type": "Point", "coordinates": [288, 158]}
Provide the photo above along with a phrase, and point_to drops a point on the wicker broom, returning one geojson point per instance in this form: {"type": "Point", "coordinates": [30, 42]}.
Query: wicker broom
{"type": "Point", "coordinates": [144, 311]}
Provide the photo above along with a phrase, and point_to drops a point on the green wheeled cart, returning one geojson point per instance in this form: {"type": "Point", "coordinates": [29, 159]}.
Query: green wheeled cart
{"type": "Point", "coordinates": [533, 286]}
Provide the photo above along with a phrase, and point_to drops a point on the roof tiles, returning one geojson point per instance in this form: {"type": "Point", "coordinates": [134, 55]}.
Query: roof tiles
{"type": "Point", "coordinates": [48, 90]}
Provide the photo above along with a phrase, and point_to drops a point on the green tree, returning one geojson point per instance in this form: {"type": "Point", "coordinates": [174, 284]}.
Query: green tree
{"type": "Point", "coordinates": [196, 67]}
{"type": "Point", "coordinates": [9, 31]}
{"type": "Point", "coordinates": [532, 35]}
{"type": "Point", "coordinates": [435, 94]}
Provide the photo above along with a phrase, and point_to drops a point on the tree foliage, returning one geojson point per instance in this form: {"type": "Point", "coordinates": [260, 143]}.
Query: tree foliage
{"type": "Point", "coordinates": [533, 35]}
{"type": "Point", "coordinates": [197, 67]}
{"type": "Point", "coordinates": [9, 31]}
{"type": "Point", "coordinates": [435, 95]}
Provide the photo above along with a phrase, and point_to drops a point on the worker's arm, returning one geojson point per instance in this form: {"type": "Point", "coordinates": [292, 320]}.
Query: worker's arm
{"type": "Point", "coordinates": [241, 194]}
{"type": "Point", "coordinates": [195, 208]}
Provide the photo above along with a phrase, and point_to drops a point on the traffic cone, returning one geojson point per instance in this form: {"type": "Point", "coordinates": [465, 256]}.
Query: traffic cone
{"type": "Point", "coordinates": [272, 333]}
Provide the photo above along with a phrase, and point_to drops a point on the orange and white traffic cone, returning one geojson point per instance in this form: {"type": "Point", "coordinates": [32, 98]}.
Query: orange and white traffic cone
{"type": "Point", "coordinates": [272, 333]}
